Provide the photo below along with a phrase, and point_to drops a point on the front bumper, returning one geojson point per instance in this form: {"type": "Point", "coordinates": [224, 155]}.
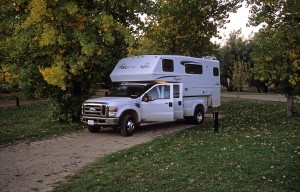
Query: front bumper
{"type": "Point", "coordinates": [101, 121]}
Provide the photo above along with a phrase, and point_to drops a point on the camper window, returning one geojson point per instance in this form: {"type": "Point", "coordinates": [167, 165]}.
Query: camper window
{"type": "Point", "coordinates": [216, 71]}
{"type": "Point", "coordinates": [167, 65]}
{"type": "Point", "coordinates": [193, 69]}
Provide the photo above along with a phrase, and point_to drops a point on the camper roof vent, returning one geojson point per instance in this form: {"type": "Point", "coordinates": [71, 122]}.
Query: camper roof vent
{"type": "Point", "coordinates": [210, 57]}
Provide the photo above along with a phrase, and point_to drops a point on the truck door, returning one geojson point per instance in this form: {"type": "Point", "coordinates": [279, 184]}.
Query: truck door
{"type": "Point", "coordinates": [177, 100]}
{"type": "Point", "coordinates": [157, 104]}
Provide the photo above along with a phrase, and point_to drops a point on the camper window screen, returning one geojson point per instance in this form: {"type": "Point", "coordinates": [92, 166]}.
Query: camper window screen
{"type": "Point", "coordinates": [193, 69]}
{"type": "Point", "coordinates": [167, 65]}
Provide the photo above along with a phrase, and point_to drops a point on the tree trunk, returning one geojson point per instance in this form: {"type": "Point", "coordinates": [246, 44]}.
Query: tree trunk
{"type": "Point", "coordinates": [238, 97]}
{"type": "Point", "coordinates": [289, 105]}
{"type": "Point", "coordinates": [258, 89]}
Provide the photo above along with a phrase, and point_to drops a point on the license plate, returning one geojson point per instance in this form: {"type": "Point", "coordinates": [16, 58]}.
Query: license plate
{"type": "Point", "coordinates": [91, 122]}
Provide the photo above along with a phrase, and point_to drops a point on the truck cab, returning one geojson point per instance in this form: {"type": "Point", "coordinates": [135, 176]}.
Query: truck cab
{"type": "Point", "coordinates": [162, 96]}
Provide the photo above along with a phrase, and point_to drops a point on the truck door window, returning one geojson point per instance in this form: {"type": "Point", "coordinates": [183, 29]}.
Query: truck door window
{"type": "Point", "coordinates": [159, 92]}
{"type": "Point", "coordinates": [165, 92]}
{"type": "Point", "coordinates": [153, 94]}
{"type": "Point", "coordinates": [167, 65]}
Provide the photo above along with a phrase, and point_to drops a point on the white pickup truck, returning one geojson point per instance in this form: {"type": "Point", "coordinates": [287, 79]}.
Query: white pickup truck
{"type": "Point", "coordinates": [155, 88]}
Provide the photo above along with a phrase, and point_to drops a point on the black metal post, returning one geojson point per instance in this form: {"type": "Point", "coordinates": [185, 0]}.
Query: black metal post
{"type": "Point", "coordinates": [216, 121]}
{"type": "Point", "coordinates": [17, 102]}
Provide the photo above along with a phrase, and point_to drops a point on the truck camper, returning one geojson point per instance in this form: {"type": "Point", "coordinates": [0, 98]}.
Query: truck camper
{"type": "Point", "coordinates": [155, 88]}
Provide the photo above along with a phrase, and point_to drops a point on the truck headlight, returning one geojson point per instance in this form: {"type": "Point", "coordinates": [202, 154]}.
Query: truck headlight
{"type": "Point", "coordinates": [112, 111]}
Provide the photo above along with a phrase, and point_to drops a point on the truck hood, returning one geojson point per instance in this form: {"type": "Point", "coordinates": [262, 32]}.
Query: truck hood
{"type": "Point", "coordinates": [113, 100]}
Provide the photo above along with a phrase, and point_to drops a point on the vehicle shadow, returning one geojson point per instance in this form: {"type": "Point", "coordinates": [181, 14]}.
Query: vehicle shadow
{"type": "Point", "coordinates": [157, 128]}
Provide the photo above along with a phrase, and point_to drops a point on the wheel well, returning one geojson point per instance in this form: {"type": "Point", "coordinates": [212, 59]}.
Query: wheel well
{"type": "Point", "coordinates": [201, 107]}
{"type": "Point", "coordinates": [130, 112]}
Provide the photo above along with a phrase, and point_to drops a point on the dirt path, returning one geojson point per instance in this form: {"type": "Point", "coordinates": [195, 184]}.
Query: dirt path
{"type": "Point", "coordinates": [37, 166]}
{"type": "Point", "coordinates": [257, 96]}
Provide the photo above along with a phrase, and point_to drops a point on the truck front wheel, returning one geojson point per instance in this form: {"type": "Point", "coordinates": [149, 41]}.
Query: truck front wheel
{"type": "Point", "coordinates": [128, 125]}
{"type": "Point", "coordinates": [198, 116]}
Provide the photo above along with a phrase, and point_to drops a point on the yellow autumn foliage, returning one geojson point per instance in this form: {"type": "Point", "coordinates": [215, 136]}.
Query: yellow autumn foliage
{"type": "Point", "coordinates": [72, 8]}
{"type": "Point", "coordinates": [55, 75]}
{"type": "Point", "coordinates": [296, 64]}
{"type": "Point", "coordinates": [80, 19]}
{"type": "Point", "coordinates": [4, 74]}
{"type": "Point", "coordinates": [107, 22]}
{"type": "Point", "coordinates": [62, 39]}
{"type": "Point", "coordinates": [268, 58]}
{"type": "Point", "coordinates": [79, 66]}
{"type": "Point", "coordinates": [7, 76]}
{"type": "Point", "coordinates": [48, 36]}
{"type": "Point", "coordinates": [37, 8]}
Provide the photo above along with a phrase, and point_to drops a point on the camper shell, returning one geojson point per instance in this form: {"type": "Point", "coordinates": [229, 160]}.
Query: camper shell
{"type": "Point", "coordinates": [156, 88]}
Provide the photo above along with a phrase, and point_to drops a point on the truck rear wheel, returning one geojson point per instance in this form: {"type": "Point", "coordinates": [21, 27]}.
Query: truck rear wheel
{"type": "Point", "coordinates": [93, 129]}
{"type": "Point", "coordinates": [128, 125]}
{"type": "Point", "coordinates": [198, 116]}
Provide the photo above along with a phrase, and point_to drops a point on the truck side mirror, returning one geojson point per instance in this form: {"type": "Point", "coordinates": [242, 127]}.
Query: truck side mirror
{"type": "Point", "coordinates": [133, 96]}
{"type": "Point", "coordinates": [145, 98]}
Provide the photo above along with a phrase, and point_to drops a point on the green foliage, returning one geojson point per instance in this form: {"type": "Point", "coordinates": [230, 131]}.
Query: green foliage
{"type": "Point", "coordinates": [236, 49]}
{"type": "Point", "coordinates": [184, 28]}
{"type": "Point", "coordinates": [277, 50]}
{"type": "Point", "coordinates": [30, 123]}
{"type": "Point", "coordinates": [276, 61]}
{"type": "Point", "coordinates": [257, 149]}
{"type": "Point", "coordinates": [67, 46]}
{"type": "Point", "coordinates": [240, 75]}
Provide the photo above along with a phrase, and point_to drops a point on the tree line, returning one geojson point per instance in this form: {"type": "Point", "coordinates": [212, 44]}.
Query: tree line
{"type": "Point", "coordinates": [63, 49]}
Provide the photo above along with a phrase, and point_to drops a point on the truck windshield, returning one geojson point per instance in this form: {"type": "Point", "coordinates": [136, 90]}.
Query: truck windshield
{"type": "Point", "coordinates": [128, 91]}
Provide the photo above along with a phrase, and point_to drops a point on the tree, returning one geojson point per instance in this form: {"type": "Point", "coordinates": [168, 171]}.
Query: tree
{"type": "Point", "coordinates": [61, 49]}
{"type": "Point", "coordinates": [240, 76]}
{"type": "Point", "coordinates": [236, 49]}
{"type": "Point", "coordinates": [185, 28]}
{"type": "Point", "coordinates": [7, 11]}
{"type": "Point", "coordinates": [277, 49]}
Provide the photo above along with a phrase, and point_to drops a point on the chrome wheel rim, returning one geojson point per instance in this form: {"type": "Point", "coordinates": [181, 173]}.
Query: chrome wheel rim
{"type": "Point", "coordinates": [199, 117]}
{"type": "Point", "coordinates": [130, 126]}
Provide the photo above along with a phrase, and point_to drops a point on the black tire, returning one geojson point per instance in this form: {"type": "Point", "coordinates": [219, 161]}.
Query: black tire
{"type": "Point", "coordinates": [93, 129]}
{"type": "Point", "coordinates": [198, 117]}
{"type": "Point", "coordinates": [128, 125]}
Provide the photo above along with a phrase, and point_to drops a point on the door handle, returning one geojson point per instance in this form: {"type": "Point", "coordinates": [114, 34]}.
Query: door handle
{"type": "Point", "coordinates": [170, 104]}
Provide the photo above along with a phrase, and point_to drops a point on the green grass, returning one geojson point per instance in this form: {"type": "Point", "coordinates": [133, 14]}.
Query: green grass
{"type": "Point", "coordinates": [30, 122]}
{"type": "Point", "coordinates": [256, 149]}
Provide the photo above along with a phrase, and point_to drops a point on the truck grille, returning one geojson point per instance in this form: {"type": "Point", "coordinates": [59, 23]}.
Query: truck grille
{"type": "Point", "coordinates": [94, 109]}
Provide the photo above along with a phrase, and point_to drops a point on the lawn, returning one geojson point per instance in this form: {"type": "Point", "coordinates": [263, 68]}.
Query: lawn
{"type": "Point", "coordinates": [30, 122]}
{"type": "Point", "coordinates": [256, 149]}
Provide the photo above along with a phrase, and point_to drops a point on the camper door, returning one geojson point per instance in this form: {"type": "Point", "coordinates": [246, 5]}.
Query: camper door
{"type": "Point", "coordinates": [158, 103]}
